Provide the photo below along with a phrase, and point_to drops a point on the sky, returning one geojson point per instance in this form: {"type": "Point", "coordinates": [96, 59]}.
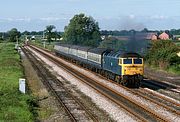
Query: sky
{"type": "Point", "coordinates": [35, 15]}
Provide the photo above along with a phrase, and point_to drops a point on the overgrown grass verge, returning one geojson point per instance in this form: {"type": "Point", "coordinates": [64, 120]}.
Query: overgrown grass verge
{"type": "Point", "coordinates": [14, 106]}
{"type": "Point", "coordinates": [172, 69]}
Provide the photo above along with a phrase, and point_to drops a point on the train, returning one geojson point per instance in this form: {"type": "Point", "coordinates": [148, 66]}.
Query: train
{"type": "Point", "coordinates": [126, 68]}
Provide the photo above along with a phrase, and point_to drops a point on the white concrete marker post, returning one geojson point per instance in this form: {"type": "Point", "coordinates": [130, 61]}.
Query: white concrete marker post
{"type": "Point", "coordinates": [22, 85]}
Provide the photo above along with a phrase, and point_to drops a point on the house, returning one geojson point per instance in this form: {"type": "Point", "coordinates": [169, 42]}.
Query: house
{"type": "Point", "coordinates": [150, 35]}
{"type": "Point", "coordinates": [144, 35]}
{"type": "Point", "coordinates": [154, 37]}
{"type": "Point", "coordinates": [164, 36]}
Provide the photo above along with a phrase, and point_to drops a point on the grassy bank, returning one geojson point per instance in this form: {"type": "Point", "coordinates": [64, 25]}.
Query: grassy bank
{"type": "Point", "coordinates": [173, 69]}
{"type": "Point", "coordinates": [14, 106]}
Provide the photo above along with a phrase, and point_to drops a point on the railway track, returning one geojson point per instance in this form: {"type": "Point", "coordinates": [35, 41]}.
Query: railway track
{"type": "Point", "coordinates": [140, 111]}
{"type": "Point", "coordinates": [154, 85]}
{"type": "Point", "coordinates": [167, 102]}
{"type": "Point", "coordinates": [74, 109]}
{"type": "Point", "coordinates": [174, 105]}
{"type": "Point", "coordinates": [156, 98]}
{"type": "Point", "coordinates": [164, 79]}
{"type": "Point", "coordinates": [161, 85]}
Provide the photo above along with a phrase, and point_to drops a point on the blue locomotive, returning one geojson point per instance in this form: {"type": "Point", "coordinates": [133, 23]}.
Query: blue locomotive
{"type": "Point", "coordinates": [120, 66]}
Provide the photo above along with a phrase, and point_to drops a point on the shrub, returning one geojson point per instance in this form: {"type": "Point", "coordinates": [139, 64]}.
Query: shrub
{"type": "Point", "coordinates": [163, 53]}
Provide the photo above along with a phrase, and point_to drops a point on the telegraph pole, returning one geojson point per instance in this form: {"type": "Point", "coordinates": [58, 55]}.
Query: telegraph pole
{"type": "Point", "coordinates": [17, 40]}
{"type": "Point", "coordinates": [44, 43]}
{"type": "Point", "coordinates": [43, 34]}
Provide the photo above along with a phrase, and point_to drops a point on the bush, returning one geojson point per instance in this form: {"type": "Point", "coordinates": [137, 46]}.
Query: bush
{"type": "Point", "coordinates": [163, 54]}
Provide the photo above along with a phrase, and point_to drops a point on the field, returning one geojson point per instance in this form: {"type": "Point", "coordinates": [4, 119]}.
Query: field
{"type": "Point", "coordinates": [14, 106]}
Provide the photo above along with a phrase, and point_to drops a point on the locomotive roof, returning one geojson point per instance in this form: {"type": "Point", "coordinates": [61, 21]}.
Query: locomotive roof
{"type": "Point", "coordinates": [107, 52]}
{"type": "Point", "coordinates": [115, 54]}
{"type": "Point", "coordinates": [74, 47]}
{"type": "Point", "coordinates": [98, 50]}
{"type": "Point", "coordinates": [131, 54]}
{"type": "Point", "coordinates": [84, 48]}
{"type": "Point", "coordinates": [64, 45]}
{"type": "Point", "coordinates": [122, 54]}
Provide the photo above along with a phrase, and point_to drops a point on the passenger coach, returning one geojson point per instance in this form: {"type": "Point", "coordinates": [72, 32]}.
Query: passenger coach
{"type": "Point", "coordinates": [125, 68]}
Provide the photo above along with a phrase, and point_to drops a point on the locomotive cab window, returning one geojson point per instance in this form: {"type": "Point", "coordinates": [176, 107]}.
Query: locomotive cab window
{"type": "Point", "coordinates": [137, 61]}
{"type": "Point", "coordinates": [127, 61]}
{"type": "Point", "coordinates": [120, 61]}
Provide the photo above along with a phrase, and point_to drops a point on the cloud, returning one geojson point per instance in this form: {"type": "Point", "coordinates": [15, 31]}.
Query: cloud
{"type": "Point", "coordinates": [75, 0]}
{"type": "Point", "coordinates": [6, 19]}
{"type": "Point", "coordinates": [23, 19]}
{"type": "Point", "coordinates": [45, 19]}
{"type": "Point", "coordinates": [15, 20]}
{"type": "Point", "coordinates": [51, 19]}
{"type": "Point", "coordinates": [159, 17]}
{"type": "Point", "coordinates": [131, 16]}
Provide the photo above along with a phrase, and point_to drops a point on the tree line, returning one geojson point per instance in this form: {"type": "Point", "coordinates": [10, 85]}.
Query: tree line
{"type": "Point", "coordinates": [145, 30]}
{"type": "Point", "coordinates": [81, 30]}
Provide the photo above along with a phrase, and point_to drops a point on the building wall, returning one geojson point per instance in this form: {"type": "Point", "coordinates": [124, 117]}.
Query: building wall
{"type": "Point", "coordinates": [154, 37]}
{"type": "Point", "coordinates": [164, 36]}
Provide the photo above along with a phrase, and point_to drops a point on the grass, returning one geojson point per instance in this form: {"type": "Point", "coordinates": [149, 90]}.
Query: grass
{"type": "Point", "coordinates": [172, 69]}
{"type": "Point", "coordinates": [44, 109]}
{"type": "Point", "coordinates": [45, 112]}
{"type": "Point", "coordinates": [14, 106]}
{"type": "Point", "coordinates": [178, 44]}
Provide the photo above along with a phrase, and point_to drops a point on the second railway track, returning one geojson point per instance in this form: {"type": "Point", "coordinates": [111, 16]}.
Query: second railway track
{"type": "Point", "coordinates": [74, 109]}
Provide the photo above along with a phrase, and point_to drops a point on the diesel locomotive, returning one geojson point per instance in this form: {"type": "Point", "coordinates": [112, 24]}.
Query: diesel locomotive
{"type": "Point", "coordinates": [126, 68]}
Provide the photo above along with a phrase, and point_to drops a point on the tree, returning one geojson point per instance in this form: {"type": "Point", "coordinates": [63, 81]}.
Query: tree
{"type": "Point", "coordinates": [14, 34]}
{"type": "Point", "coordinates": [49, 32]}
{"type": "Point", "coordinates": [55, 35]}
{"type": "Point", "coordinates": [163, 53]}
{"type": "Point", "coordinates": [1, 37]}
{"type": "Point", "coordinates": [26, 33]}
{"type": "Point", "coordinates": [82, 30]}
{"type": "Point", "coordinates": [145, 30]}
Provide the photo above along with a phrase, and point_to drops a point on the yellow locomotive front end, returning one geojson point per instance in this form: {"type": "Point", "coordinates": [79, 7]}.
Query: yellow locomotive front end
{"type": "Point", "coordinates": [132, 70]}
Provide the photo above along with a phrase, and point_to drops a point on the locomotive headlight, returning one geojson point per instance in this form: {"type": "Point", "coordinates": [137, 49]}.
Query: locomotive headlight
{"type": "Point", "coordinates": [126, 68]}
{"type": "Point", "coordinates": [140, 69]}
